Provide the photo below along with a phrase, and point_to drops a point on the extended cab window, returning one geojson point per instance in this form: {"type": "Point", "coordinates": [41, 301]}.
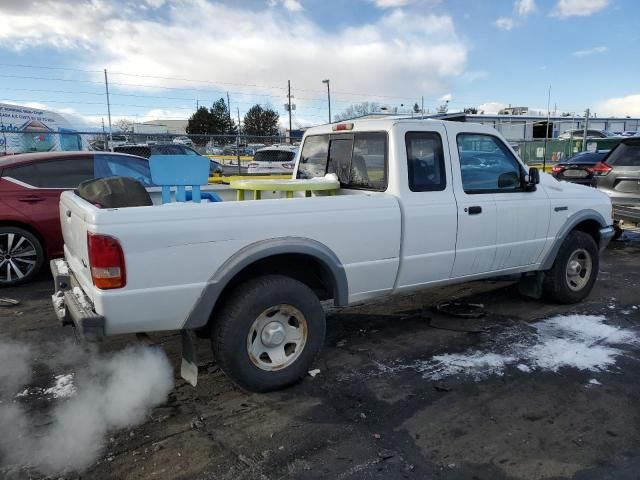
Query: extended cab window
{"type": "Point", "coordinates": [487, 165]}
{"type": "Point", "coordinates": [425, 162]}
{"type": "Point", "coordinates": [359, 160]}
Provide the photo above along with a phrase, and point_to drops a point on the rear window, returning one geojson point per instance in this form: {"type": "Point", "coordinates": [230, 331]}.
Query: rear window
{"type": "Point", "coordinates": [274, 156]}
{"type": "Point", "coordinates": [359, 160]}
{"type": "Point", "coordinates": [61, 173]}
{"type": "Point", "coordinates": [625, 155]}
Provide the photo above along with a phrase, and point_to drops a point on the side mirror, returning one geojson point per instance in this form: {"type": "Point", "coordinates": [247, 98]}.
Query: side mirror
{"type": "Point", "coordinates": [532, 179]}
{"type": "Point", "coordinates": [534, 176]}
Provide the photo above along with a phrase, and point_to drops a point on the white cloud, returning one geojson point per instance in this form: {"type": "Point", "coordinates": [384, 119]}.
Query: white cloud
{"type": "Point", "coordinates": [396, 54]}
{"type": "Point", "coordinates": [291, 5]}
{"type": "Point", "coordinates": [578, 8]}
{"type": "Point", "coordinates": [446, 97]}
{"type": "Point", "coordinates": [491, 108]}
{"type": "Point", "coordinates": [524, 7]}
{"type": "Point", "coordinates": [505, 23]}
{"type": "Point", "coordinates": [391, 3]}
{"type": "Point", "coordinates": [590, 51]}
{"type": "Point", "coordinates": [620, 106]}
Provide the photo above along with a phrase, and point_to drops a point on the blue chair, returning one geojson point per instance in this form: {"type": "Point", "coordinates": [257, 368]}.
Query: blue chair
{"type": "Point", "coordinates": [181, 171]}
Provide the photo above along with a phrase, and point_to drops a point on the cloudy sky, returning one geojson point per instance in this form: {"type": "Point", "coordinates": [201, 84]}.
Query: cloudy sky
{"type": "Point", "coordinates": [165, 56]}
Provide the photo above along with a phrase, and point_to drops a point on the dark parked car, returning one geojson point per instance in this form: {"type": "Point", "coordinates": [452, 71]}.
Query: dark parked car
{"type": "Point", "coordinates": [146, 150]}
{"type": "Point", "coordinates": [618, 175]}
{"type": "Point", "coordinates": [30, 187]}
{"type": "Point", "coordinates": [579, 168]}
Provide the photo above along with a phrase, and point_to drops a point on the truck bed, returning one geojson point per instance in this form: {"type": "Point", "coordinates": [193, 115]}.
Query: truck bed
{"type": "Point", "coordinates": [173, 250]}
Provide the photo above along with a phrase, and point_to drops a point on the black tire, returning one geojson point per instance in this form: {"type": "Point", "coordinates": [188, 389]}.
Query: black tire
{"type": "Point", "coordinates": [561, 283]}
{"type": "Point", "coordinates": [20, 242]}
{"type": "Point", "coordinates": [251, 303]}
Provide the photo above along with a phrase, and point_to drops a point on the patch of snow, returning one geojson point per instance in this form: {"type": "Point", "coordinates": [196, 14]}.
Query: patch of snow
{"type": "Point", "coordinates": [479, 365]}
{"type": "Point", "coordinates": [23, 393]}
{"type": "Point", "coordinates": [594, 381]}
{"type": "Point", "coordinates": [62, 388]}
{"type": "Point", "coordinates": [583, 342]}
{"type": "Point", "coordinates": [314, 372]}
{"type": "Point", "coordinates": [61, 265]}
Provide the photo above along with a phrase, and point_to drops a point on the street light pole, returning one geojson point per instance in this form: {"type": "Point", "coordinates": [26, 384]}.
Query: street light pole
{"type": "Point", "coordinates": [326, 80]}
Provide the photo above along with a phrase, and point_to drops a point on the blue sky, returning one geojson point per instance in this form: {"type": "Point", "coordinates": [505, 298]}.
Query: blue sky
{"type": "Point", "coordinates": [164, 56]}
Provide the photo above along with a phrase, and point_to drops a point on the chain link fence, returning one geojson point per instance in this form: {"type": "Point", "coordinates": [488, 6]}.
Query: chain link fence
{"type": "Point", "coordinates": [12, 142]}
{"type": "Point", "coordinates": [239, 150]}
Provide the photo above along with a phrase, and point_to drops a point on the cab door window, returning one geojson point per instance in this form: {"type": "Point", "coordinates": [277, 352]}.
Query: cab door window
{"type": "Point", "coordinates": [487, 165]}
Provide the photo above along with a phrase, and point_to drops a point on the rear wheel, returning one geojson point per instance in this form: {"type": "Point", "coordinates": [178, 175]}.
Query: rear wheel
{"type": "Point", "coordinates": [268, 333]}
{"type": "Point", "coordinates": [574, 270]}
{"type": "Point", "coordinates": [21, 256]}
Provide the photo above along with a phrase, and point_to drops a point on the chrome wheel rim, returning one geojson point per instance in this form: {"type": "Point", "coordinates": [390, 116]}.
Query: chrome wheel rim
{"type": "Point", "coordinates": [579, 268]}
{"type": "Point", "coordinates": [18, 257]}
{"type": "Point", "coordinates": [277, 337]}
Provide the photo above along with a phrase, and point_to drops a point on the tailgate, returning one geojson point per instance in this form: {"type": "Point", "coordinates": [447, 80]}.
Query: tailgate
{"type": "Point", "coordinates": [73, 211]}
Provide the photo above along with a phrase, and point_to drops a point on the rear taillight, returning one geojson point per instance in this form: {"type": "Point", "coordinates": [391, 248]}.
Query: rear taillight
{"type": "Point", "coordinates": [600, 169]}
{"type": "Point", "coordinates": [557, 169]}
{"type": "Point", "coordinates": [106, 261]}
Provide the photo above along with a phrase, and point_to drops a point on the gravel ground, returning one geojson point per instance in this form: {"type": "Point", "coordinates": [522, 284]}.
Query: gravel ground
{"type": "Point", "coordinates": [403, 392]}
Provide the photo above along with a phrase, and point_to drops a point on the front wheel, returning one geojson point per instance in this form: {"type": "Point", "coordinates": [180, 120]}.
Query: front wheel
{"type": "Point", "coordinates": [21, 256]}
{"type": "Point", "coordinates": [574, 270]}
{"type": "Point", "coordinates": [268, 333]}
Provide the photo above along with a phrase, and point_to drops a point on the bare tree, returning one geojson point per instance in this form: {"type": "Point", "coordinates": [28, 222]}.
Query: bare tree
{"type": "Point", "coordinates": [124, 126]}
{"type": "Point", "coordinates": [357, 110]}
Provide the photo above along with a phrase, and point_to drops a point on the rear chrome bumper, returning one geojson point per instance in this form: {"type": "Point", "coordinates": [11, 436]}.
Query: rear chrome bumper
{"type": "Point", "coordinates": [606, 234]}
{"type": "Point", "coordinates": [71, 304]}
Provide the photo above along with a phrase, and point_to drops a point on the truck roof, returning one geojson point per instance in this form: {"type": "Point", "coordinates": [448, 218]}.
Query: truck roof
{"type": "Point", "coordinates": [385, 123]}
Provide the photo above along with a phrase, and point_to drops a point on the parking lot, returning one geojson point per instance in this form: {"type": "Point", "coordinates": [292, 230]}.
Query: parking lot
{"type": "Point", "coordinates": [402, 392]}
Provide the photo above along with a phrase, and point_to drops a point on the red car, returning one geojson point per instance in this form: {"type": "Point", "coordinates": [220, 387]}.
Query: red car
{"type": "Point", "coordinates": [30, 187]}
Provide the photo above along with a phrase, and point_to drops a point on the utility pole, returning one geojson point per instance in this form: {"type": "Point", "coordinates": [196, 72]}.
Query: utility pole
{"type": "Point", "coordinates": [546, 133]}
{"type": "Point", "coordinates": [586, 127]}
{"type": "Point", "coordinates": [238, 143]}
{"type": "Point", "coordinates": [106, 85]}
{"type": "Point", "coordinates": [422, 109]}
{"type": "Point", "coordinates": [289, 100]}
{"type": "Point", "coordinates": [197, 104]}
{"type": "Point", "coordinates": [229, 110]}
{"type": "Point", "coordinates": [326, 80]}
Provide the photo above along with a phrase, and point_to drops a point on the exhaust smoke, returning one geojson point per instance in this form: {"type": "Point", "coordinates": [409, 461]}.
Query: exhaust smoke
{"type": "Point", "coordinates": [109, 391]}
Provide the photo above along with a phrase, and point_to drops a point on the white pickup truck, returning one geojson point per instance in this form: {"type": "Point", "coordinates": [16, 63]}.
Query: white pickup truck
{"type": "Point", "coordinates": [421, 203]}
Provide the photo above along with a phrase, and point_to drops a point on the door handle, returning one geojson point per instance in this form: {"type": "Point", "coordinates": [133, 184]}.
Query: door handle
{"type": "Point", "coordinates": [475, 210]}
{"type": "Point", "coordinates": [31, 199]}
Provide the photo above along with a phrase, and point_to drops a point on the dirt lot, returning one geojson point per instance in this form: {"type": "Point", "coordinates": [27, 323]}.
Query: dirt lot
{"type": "Point", "coordinates": [402, 392]}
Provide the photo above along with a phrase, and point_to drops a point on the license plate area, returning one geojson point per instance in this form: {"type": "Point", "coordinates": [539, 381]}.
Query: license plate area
{"type": "Point", "coordinates": [575, 173]}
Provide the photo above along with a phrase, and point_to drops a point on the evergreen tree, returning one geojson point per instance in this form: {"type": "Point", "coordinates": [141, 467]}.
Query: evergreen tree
{"type": "Point", "coordinates": [260, 121]}
{"type": "Point", "coordinates": [200, 124]}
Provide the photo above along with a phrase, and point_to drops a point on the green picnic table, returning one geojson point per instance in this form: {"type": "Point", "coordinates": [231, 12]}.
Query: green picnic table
{"type": "Point", "coordinates": [307, 186]}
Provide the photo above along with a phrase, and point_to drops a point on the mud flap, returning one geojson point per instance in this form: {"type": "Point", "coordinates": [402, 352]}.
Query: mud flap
{"type": "Point", "coordinates": [530, 285]}
{"type": "Point", "coordinates": [189, 366]}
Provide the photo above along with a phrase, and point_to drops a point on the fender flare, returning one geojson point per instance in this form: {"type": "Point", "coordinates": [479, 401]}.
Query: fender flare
{"type": "Point", "coordinates": [569, 225]}
{"type": "Point", "coordinates": [199, 315]}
